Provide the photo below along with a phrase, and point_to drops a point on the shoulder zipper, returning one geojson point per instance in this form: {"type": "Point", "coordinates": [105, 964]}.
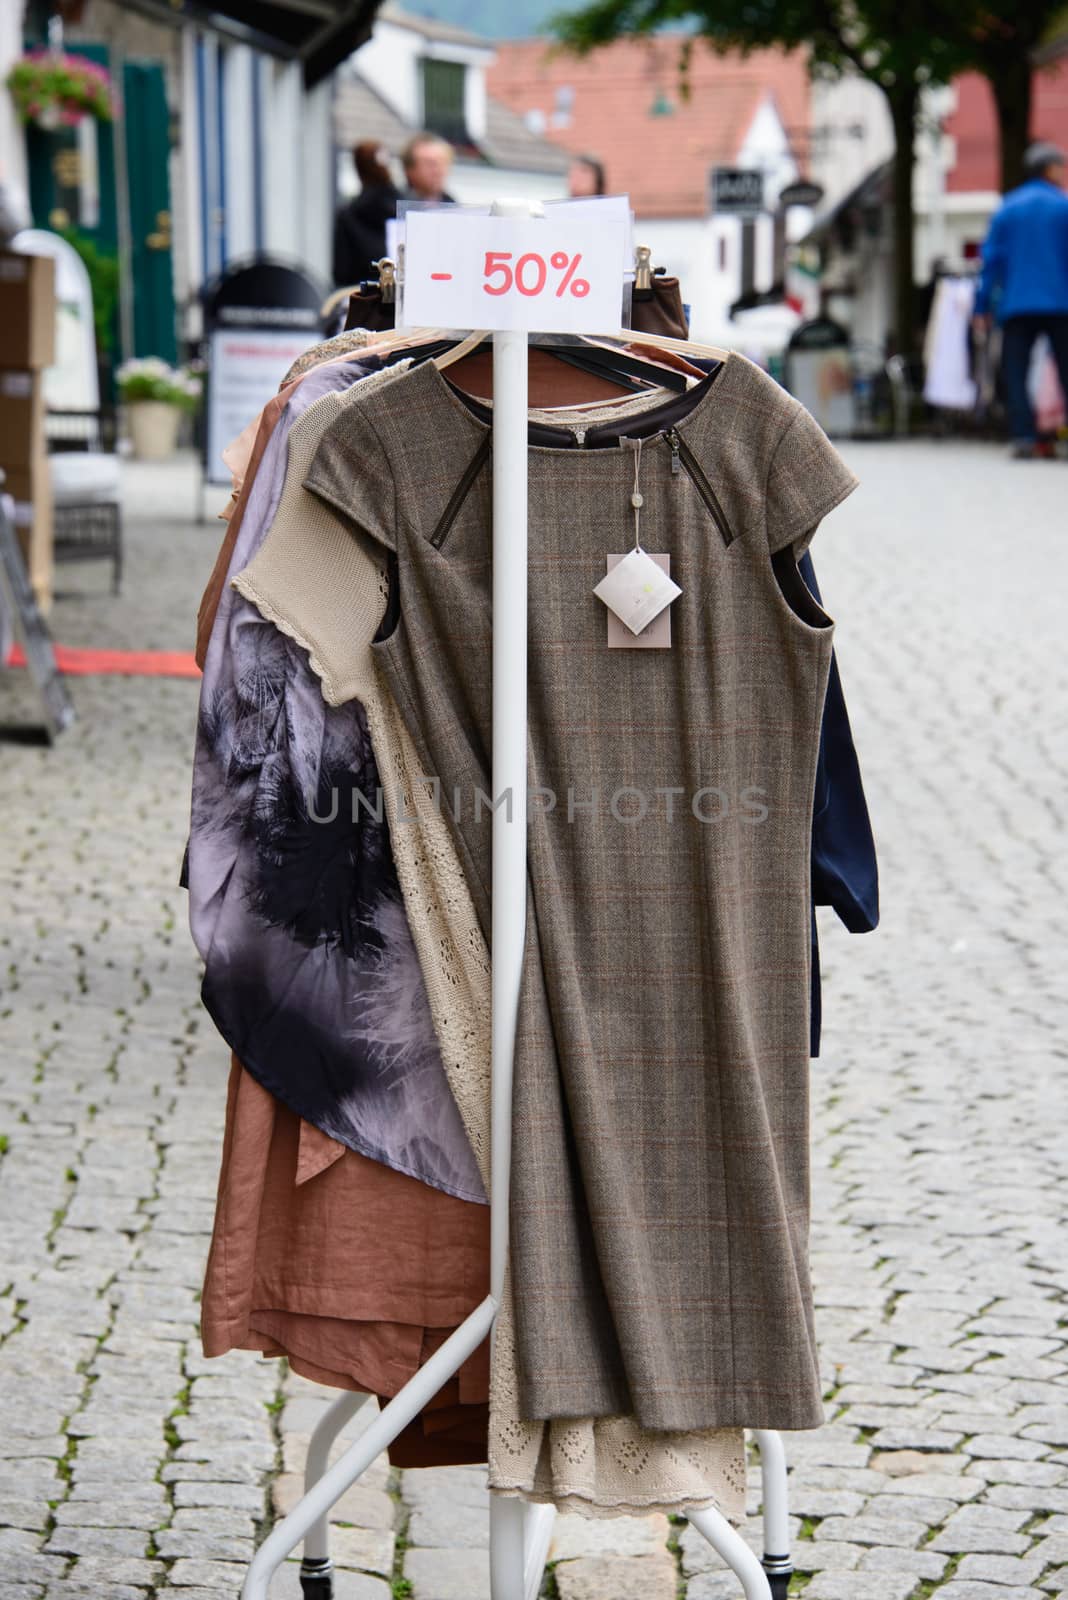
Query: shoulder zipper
{"type": "Point", "coordinates": [681, 454]}
{"type": "Point", "coordinates": [460, 493]}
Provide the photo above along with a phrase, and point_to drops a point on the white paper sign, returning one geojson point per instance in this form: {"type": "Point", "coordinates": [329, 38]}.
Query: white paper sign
{"type": "Point", "coordinates": [246, 368]}
{"type": "Point", "coordinates": [536, 273]}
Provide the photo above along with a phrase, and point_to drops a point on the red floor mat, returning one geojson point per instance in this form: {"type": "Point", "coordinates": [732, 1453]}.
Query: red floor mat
{"type": "Point", "coordinates": [120, 663]}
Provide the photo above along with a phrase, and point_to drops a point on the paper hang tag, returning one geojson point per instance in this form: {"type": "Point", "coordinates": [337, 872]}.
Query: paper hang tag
{"type": "Point", "coordinates": [637, 590]}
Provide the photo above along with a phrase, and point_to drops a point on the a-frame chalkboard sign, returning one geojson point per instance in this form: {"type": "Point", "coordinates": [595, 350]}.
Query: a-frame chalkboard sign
{"type": "Point", "coordinates": [36, 640]}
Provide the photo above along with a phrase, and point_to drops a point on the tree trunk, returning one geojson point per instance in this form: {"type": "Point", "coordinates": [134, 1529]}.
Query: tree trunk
{"type": "Point", "coordinates": [1011, 81]}
{"type": "Point", "coordinates": [904, 102]}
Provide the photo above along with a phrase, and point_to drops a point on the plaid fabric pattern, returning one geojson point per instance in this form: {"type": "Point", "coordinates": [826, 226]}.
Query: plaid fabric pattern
{"type": "Point", "coordinates": [660, 1180]}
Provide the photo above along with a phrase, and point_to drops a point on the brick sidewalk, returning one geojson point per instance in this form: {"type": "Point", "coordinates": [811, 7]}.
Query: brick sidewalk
{"type": "Point", "coordinates": [130, 1467]}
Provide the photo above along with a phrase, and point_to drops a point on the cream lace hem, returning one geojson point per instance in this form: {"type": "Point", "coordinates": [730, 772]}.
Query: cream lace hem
{"type": "Point", "coordinates": [308, 570]}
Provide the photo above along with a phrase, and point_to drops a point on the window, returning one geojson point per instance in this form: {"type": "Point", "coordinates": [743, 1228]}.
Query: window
{"type": "Point", "coordinates": [443, 100]}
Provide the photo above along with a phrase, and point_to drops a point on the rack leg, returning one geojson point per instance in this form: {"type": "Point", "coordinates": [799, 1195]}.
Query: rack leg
{"type": "Point", "coordinates": [538, 1522]}
{"type": "Point", "coordinates": [506, 1549]}
{"type": "Point", "coordinates": [729, 1544]}
{"type": "Point", "coordinates": [317, 1570]}
{"type": "Point", "coordinates": [777, 1560]}
{"type": "Point", "coordinates": [317, 1501]}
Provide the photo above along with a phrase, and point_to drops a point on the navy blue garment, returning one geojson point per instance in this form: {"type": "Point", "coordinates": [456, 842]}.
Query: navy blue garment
{"type": "Point", "coordinates": [845, 873]}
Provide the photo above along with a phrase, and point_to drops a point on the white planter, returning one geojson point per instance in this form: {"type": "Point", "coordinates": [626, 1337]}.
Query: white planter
{"type": "Point", "coordinates": [153, 429]}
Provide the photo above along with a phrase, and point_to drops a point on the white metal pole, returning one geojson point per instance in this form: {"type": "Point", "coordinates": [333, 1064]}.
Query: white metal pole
{"type": "Point", "coordinates": [509, 759]}
{"type": "Point", "coordinates": [777, 1560]}
{"type": "Point", "coordinates": [509, 787]}
{"type": "Point", "coordinates": [729, 1544]}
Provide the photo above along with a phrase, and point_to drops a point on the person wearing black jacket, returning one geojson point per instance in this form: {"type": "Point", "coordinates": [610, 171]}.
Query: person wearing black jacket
{"type": "Point", "coordinates": [360, 226]}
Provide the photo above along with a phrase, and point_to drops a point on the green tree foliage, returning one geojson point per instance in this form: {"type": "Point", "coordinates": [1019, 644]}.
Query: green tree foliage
{"type": "Point", "coordinates": [902, 46]}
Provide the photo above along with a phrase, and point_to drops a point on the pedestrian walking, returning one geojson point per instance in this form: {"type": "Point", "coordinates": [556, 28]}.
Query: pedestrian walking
{"type": "Point", "coordinates": [360, 228]}
{"type": "Point", "coordinates": [1024, 285]}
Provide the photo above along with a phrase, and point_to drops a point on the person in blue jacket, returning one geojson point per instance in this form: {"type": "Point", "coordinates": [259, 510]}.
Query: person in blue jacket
{"type": "Point", "coordinates": [1024, 283]}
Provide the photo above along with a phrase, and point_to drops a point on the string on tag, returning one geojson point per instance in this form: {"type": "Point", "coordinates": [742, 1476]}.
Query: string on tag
{"type": "Point", "coordinates": [636, 497]}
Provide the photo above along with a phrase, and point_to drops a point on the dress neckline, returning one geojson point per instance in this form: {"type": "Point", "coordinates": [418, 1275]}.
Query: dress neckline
{"type": "Point", "coordinates": [680, 412]}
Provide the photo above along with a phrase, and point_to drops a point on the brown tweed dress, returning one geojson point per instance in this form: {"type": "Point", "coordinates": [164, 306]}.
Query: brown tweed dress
{"type": "Point", "coordinates": [660, 1181]}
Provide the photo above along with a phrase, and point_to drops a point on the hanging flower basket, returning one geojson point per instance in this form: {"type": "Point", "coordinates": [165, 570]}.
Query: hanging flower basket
{"type": "Point", "coordinates": [53, 90]}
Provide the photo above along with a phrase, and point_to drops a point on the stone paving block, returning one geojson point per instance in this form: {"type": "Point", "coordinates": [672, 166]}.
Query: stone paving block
{"type": "Point", "coordinates": [363, 1549]}
{"type": "Point", "coordinates": [650, 1577]}
{"type": "Point", "coordinates": [25, 1567]}
{"type": "Point", "coordinates": [103, 1571]}
{"type": "Point", "coordinates": [452, 1485]}
{"type": "Point", "coordinates": [972, 1589]}
{"type": "Point", "coordinates": [18, 1541]}
{"type": "Point", "coordinates": [1024, 1497]}
{"type": "Point", "coordinates": [217, 1576]}
{"type": "Point", "coordinates": [107, 1513]}
{"type": "Point", "coordinates": [575, 1536]}
{"type": "Point", "coordinates": [1007, 1569]}
{"type": "Point", "coordinates": [1052, 1550]}
{"type": "Point", "coordinates": [907, 1463]}
{"type": "Point", "coordinates": [1004, 1447]}
{"type": "Point", "coordinates": [206, 1545]}
{"type": "Point", "coordinates": [905, 1437]}
{"type": "Point", "coordinates": [937, 1486]}
{"type": "Point", "coordinates": [29, 1514]}
{"type": "Point", "coordinates": [237, 1496]}
{"type": "Point", "coordinates": [825, 1502]}
{"type": "Point", "coordinates": [877, 1586]}
{"type": "Point", "coordinates": [89, 1591]}
{"type": "Point", "coordinates": [448, 1574]}
{"type": "Point", "coordinates": [997, 1470]}
{"type": "Point", "coordinates": [366, 1508]}
{"type": "Point", "coordinates": [718, 1585]}
{"type": "Point", "coordinates": [96, 1542]}
{"type": "Point", "coordinates": [831, 1555]}
{"type": "Point", "coordinates": [926, 1563]}
{"type": "Point", "coordinates": [873, 1530]}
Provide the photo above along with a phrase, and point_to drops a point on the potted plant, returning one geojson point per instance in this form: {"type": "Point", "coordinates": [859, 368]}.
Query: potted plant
{"type": "Point", "coordinates": [54, 90]}
{"type": "Point", "coordinates": [156, 396]}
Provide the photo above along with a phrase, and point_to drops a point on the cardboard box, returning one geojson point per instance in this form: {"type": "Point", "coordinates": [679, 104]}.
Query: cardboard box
{"type": "Point", "coordinates": [31, 490]}
{"type": "Point", "coordinates": [27, 311]}
{"type": "Point", "coordinates": [22, 418]}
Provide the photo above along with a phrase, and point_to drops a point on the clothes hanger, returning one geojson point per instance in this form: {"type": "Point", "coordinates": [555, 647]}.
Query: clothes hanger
{"type": "Point", "coordinates": [616, 366]}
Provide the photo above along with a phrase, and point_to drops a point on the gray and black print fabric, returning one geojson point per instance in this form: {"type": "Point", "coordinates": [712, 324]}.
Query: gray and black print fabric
{"type": "Point", "coordinates": [311, 975]}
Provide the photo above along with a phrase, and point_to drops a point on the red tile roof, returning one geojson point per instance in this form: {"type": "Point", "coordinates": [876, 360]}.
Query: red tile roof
{"type": "Point", "coordinates": [661, 161]}
{"type": "Point", "coordinates": [973, 124]}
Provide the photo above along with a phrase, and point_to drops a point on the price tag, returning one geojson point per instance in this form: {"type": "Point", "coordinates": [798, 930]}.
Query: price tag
{"type": "Point", "coordinates": [533, 274]}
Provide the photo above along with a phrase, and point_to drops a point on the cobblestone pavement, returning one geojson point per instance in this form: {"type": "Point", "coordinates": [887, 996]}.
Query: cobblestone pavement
{"type": "Point", "coordinates": [131, 1467]}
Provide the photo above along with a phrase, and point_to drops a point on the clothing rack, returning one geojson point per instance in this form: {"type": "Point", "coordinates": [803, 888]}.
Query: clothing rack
{"type": "Point", "coordinates": [520, 1533]}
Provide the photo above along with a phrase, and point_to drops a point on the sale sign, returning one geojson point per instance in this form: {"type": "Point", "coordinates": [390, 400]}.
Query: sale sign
{"type": "Point", "coordinates": [527, 273]}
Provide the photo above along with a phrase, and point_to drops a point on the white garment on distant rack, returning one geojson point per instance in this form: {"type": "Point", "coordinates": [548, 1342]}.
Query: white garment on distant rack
{"type": "Point", "coordinates": [949, 382]}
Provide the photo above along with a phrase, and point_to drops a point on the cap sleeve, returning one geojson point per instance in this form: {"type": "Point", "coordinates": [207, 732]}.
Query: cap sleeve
{"type": "Point", "coordinates": [351, 473]}
{"type": "Point", "coordinates": [806, 479]}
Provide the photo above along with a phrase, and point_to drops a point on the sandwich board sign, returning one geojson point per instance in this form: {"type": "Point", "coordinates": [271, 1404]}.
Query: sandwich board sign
{"type": "Point", "coordinates": [17, 602]}
{"type": "Point", "coordinates": [259, 316]}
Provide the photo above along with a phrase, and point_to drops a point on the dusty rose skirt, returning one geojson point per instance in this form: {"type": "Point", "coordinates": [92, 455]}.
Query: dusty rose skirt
{"type": "Point", "coordinates": [354, 1272]}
